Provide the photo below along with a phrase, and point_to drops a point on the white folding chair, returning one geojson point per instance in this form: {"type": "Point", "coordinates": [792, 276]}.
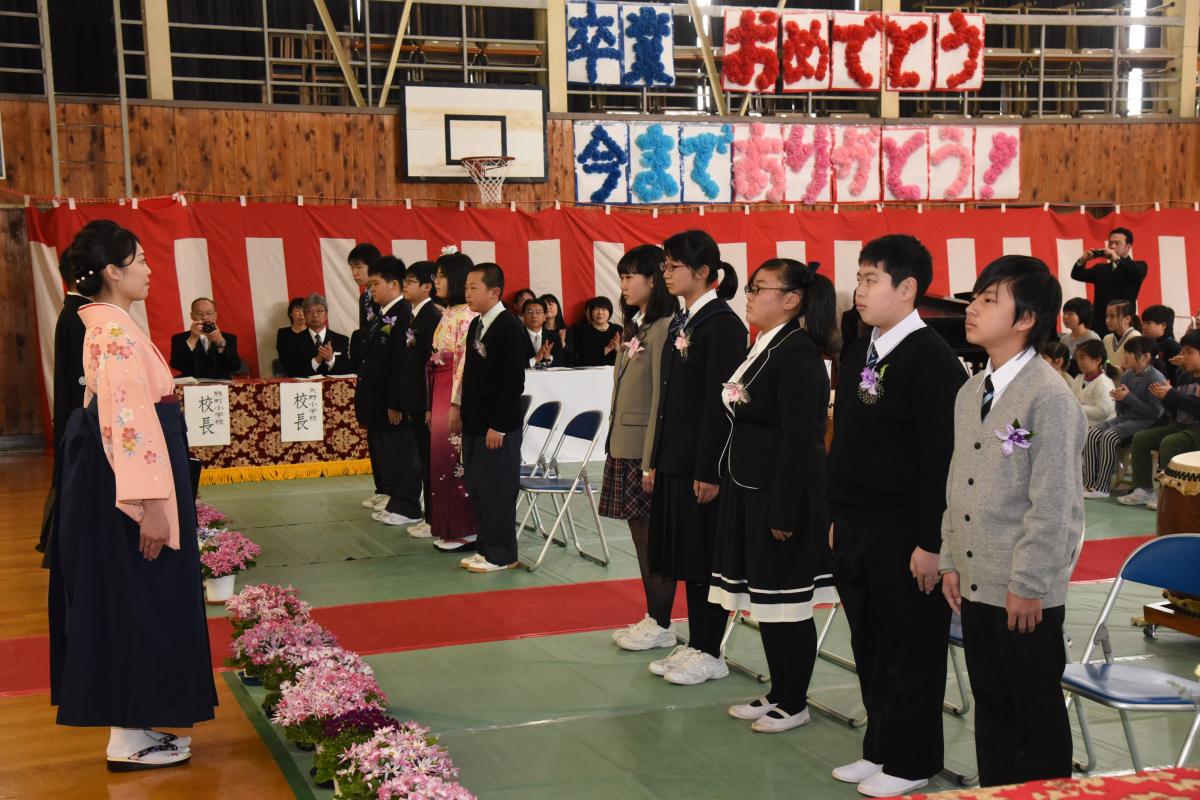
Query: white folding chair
{"type": "Point", "coordinates": [585, 426]}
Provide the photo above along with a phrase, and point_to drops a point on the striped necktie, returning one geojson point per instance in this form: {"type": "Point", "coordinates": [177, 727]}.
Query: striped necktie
{"type": "Point", "coordinates": [989, 393]}
{"type": "Point", "coordinates": [872, 357]}
{"type": "Point", "coordinates": [678, 323]}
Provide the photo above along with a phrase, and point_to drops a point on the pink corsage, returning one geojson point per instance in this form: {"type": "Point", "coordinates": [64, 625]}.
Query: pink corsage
{"type": "Point", "coordinates": [734, 394]}
{"type": "Point", "coordinates": [436, 359]}
{"type": "Point", "coordinates": [682, 342]}
{"type": "Point", "coordinates": [480, 348]}
{"type": "Point", "coordinates": [1013, 436]}
{"type": "Point", "coordinates": [633, 347]}
{"type": "Point", "coordinates": [870, 385]}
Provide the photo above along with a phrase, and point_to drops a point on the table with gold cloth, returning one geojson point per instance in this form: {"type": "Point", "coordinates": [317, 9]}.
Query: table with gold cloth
{"type": "Point", "coordinates": [255, 451]}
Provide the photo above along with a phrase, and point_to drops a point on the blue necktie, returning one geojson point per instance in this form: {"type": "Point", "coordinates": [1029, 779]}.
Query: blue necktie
{"type": "Point", "coordinates": [678, 323]}
{"type": "Point", "coordinates": [872, 357]}
{"type": "Point", "coordinates": [989, 393]}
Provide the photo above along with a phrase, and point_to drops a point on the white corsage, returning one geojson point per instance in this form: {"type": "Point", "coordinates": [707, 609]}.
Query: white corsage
{"type": "Point", "coordinates": [449, 250]}
{"type": "Point", "coordinates": [734, 394]}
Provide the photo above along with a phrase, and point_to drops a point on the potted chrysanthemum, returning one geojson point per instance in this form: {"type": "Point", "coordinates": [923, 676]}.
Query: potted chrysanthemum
{"type": "Point", "coordinates": [401, 758]}
{"type": "Point", "coordinates": [222, 556]}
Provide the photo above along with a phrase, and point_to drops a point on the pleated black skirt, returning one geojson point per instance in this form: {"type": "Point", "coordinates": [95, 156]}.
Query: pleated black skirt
{"type": "Point", "coordinates": [682, 532]}
{"type": "Point", "coordinates": [128, 637]}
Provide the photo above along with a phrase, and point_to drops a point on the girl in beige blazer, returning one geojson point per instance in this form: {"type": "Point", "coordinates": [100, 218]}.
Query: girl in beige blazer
{"type": "Point", "coordinates": [647, 308]}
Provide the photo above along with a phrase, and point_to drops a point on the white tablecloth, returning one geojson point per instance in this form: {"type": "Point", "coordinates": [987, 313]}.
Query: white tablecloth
{"type": "Point", "coordinates": [578, 390]}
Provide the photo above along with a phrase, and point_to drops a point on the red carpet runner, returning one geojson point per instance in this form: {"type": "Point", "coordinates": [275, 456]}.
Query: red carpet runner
{"type": "Point", "coordinates": [456, 619]}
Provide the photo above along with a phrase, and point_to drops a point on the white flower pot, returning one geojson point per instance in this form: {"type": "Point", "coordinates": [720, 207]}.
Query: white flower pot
{"type": "Point", "coordinates": [218, 590]}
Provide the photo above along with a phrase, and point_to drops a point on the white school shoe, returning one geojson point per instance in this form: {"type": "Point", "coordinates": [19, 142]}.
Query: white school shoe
{"type": "Point", "coordinates": [677, 656]}
{"type": "Point", "coordinates": [371, 501]}
{"type": "Point", "coordinates": [697, 669]}
{"type": "Point", "coordinates": [471, 559]}
{"type": "Point", "coordinates": [1152, 503]}
{"type": "Point", "coordinates": [381, 502]}
{"type": "Point", "coordinates": [646, 635]}
{"type": "Point", "coordinates": [389, 518]}
{"type": "Point", "coordinates": [421, 530]}
{"type": "Point", "coordinates": [751, 712]}
{"type": "Point", "coordinates": [154, 756]}
{"type": "Point", "coordinates": [619, 632]}
{"type": "Point", "coordinates": [778, 721]}
{"type": "Point", "coordinates": [857, 772]}
{"type": "Point", "coordinates": [883, 785]}
{"type": "Point", "coordinates": [483, 565]}
{"type": "Point", "coordinates": [162, 737]}
{"type": "Point", "coordinates": [1095, 494]}
{"type": "Point", "coordinates": [1138, 497]}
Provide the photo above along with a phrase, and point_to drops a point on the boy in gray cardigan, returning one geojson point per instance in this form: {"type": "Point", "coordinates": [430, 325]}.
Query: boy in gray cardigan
{"type": "Point", "coordinates": [1014, 517]}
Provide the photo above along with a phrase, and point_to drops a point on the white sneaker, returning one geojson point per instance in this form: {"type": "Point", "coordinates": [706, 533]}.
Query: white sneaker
{"type": "Point", "coordinates": [641, 623]}
{"type": "Point", "coordinates": [1138, 497]}
{"type": "Point", "coordinates": [389, 518]}
{"type": "Point", "coordinates": [677, 656]}
{"type": "Point", "coordinates": [474, 558]}
{"type": "Point", "coordinates": [1152, 503]}
{"type": "Point", "coordinates": [381, 502]}
{"type": "Point", "coordinates": [1095, 494]}
{"type": "Point", "coordinates": [883, 785]}
{"type": "Point", "coordinates": [647, 635]}
{"type": "Point", "coordinates": [752, 710]}
{"type": "Point", "coordinates": [371, 501]}
{"type": "Point", "coordinates": [778, 721]}
{"type": "Point", "coordinates": [857, 772]}
{"type": "Point", "coordinates": [697, 669]}
{"type": "Point", "coordinates": [421, 530]}
{"type": "Point", "coordinates": [483, 565]}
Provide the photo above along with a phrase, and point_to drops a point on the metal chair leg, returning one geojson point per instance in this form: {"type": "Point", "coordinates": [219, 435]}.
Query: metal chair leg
{"type": "Point", "coordinates": [736, 618]}
{"type": "Point", "coordinates": [591, 500]}
{"type": "Point", "coordinates": [964, 695]}
{"type": "Point", "coordinates": [1189, 741]}
{"type": "Point", "coordinates": [550, 537]}
{"type": "Point", "coordinates": [1086, 733]}
{"type": "Point", "coordinates": [1136, 757]}
{"type": "Point", "coordinates": [833, 658]}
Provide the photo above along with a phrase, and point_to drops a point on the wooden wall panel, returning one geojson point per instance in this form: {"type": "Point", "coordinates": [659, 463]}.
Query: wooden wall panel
{"type": "Point", "coordinates": [20, 377]}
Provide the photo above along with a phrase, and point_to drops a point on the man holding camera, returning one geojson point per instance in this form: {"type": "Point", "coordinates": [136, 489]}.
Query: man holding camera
{"type": "Point", "coordinates": [203, 351]}
{"type": "Point", "coordinates": [1117, 277]}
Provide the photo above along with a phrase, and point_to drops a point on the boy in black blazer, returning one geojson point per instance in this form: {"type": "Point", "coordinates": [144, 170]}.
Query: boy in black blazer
{"type": "Point", "coordinates": [378, 398]}
{"type": "Point", "coordinates": [493, 380]}
{"type": "Point", "coordinates": [543, 348]}
{"type": "Point", "coordinates": [414, 385]}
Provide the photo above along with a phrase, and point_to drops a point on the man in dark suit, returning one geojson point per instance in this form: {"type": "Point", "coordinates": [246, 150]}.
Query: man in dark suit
{"type": "Point", "coordinates": [378, 398]}
{"type": "Point", "coordinates": [360, 259]}
{"type": "Point", "coordinates": [1117, 277]}
{"type": "Point", "coordinates": [204, 351]}
{"type": "Point", "coordinates": [320, 351]}
{"type": "Point", "coordinates": [493, 380]}
{"type": "Point", "coordinates": [68, 378]}
{"type": "Point", "coordinates": [542, 348]}
{"type": "Point", "coordinates": [414, 386]}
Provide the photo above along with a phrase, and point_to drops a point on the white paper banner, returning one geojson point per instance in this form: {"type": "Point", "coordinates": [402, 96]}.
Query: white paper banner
{"type": "Point", "coordinates": [206, 411]}
{"type": "Point", "coordinates": [302, 411]}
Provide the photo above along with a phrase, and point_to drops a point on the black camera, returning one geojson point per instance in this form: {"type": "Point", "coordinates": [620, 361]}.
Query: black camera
{"type": "Point", "coordinates": [1101, 253]}
{"type": "Point", "coordinates": [208, 327]}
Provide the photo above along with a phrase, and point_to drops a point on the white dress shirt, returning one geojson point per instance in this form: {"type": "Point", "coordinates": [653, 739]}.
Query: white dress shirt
{"type": "Point", "coordinates": [887, 342]}
{"type": "Point", "coordinates": [318, 338]}
{"type": "Point", "coordinates": [760, 344]}
{"type": "Point", "coordinates": [536, 338]}
{"type": "Point", "coordinates": [486, 320]}
{"type": "Point", "coordinates": [1002, 377]}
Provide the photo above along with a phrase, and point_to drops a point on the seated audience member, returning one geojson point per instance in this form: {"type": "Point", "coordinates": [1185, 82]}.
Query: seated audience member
{"type": "Point", "coordinates": [1120, 320]}
{"type": "Point", "coordinates": [321, 351]}
{"type": "Point", "coordinates": [1180, 435]}
{"type": "Point", "coordinates": [1158, 323]}
{"type": "Point", "coordinates": [519, 299]}
{"type": "Point", "coordinates": [1057, 355]}
{"type": "Point", "coordinates": [1137, 410]}
{"type": "Point", "coordinates": [290, 336]}
{"type": "Point", "coordinates": [204, 351]}
{"type": "Point", "coordinates": [542, 348]}
{"type": "Point", "coordinates": [1093, 385]}
{"type": "Point", "coordinates": [594, 340]}
{"type": "Point", "coordinates": [554, 317]}
{"type": "Point", "coordinates": [1076, 316]}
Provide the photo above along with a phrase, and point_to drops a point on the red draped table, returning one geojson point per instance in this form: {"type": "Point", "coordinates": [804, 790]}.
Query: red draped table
{"type": "Point", "coordinates": [1165, 784]}
{"type": "Point", "coordinates": [256, 451]}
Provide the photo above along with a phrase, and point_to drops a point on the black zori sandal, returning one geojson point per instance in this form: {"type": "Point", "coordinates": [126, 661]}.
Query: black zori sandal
{"type": "Point", "coordinates": [143, 759]}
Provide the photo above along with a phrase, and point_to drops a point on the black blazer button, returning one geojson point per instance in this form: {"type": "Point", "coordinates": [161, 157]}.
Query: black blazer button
{"type": "Point", "coordinates": [968, 517]}
{"type": "Point", "coordinates": [978, 445]}
{"type": "Point", "coordinates": [970, 554]}
{"type": "Point", "coordinates": [974, 588]}
{"type": "Point", "coordinates": [970, 481]}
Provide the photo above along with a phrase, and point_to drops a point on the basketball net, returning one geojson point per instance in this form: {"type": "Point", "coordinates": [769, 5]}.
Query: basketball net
{"type": "Point", "coordinates": [489, 173]}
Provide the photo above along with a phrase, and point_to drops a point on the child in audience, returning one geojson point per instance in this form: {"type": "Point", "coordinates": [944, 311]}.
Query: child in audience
{"type": "Point", "coordinates": [1014, 516]}
{"type": "Point", "coordinates": [1158, 323]}
{"type": "Point", "coordinates": [1093, 385]}
{"type": "Point", "coordinates": [1058, 355]}
{"type": "Point", "coordinates": [1076, 315]}
{"type": "Point", "coordinates": [1119, 317]}
{"type": "Point", "coordinates": [1180, 435]}
{"type": "Point", "coordinates": [1137, 409]}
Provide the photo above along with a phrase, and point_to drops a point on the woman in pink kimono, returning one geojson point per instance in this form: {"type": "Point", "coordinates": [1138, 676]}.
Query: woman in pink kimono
{"type": "Point", "coordinates": [128, 635]}
{"type": "Point", "coordinates": [454, 525]}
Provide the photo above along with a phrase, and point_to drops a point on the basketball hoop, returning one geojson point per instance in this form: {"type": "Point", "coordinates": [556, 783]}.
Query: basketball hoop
{"type": "Point", "coordinates": [489, 173]}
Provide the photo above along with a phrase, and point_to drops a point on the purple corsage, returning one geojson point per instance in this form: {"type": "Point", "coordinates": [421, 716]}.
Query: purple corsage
{"type": "Point", "coordinates": [410, 337]}
{"type": "Point", "coordinates": [388, 322]}
{"type": "Point", "coordinates": [1014, 436]}
{"type": "Point", "coordinates": [480, 348]}
{"type": "Point", "coordinates": [870, 385]}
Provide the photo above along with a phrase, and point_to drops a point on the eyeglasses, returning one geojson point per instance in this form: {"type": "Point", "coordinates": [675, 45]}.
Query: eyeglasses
{"type": "Point", "coordinates": [670, 266]}
{"type": "Point", "coordinates": [754, 288]}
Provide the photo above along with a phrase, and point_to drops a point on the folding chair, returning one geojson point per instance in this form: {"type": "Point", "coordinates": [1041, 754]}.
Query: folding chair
{"type": "Point", "coordinates": [1168, 562]}
{"type": "Point", "coordinates": [585, 426]}
{"type": "Point", "coordinates": [545, 416]}
{"type": "Point", "coordinates": [526, 401]}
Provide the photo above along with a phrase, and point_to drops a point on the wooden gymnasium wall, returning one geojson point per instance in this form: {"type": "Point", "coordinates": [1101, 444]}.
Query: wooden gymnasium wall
{"type": "Point", "coordinates": [256, 150]}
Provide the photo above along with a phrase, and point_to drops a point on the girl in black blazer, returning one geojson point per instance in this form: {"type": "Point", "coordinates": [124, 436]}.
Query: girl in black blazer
{"type": "Point", "coordinates": [705, 343]}
{"type": "Point", "coordinates": [771, 555]}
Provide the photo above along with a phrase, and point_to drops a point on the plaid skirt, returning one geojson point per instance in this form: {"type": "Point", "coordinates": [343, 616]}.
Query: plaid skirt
{"type": "Point", "coordinates": [621, 496]}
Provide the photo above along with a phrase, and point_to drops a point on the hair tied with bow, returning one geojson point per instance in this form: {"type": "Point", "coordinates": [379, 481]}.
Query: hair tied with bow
{"type": "Point", "coordinates": [809, 273]}
{"type": "Point", "coordinates": [449, 250]}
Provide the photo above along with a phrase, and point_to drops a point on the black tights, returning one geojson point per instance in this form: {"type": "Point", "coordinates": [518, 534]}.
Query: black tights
{"type": "Point", "coordinates": [791, 649]}
{"type": "Point", "coordinates": [706, 621]}
{"type": "Point", "coordinates": [660, 591]}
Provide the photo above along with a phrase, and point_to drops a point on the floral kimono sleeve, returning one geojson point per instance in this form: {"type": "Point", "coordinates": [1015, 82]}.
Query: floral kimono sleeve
{"type": "Point", "coordinates": [461, 326]}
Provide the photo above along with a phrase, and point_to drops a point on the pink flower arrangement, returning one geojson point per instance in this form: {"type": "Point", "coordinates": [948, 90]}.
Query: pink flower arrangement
{"type": "Point", "coordinates": [797, 153]}
{"type": "Point", "coordinates": [322, 693]}
{"type": "Point", "coordinates": [755, 172]}
{"type": "Point", "coordinates": [226, 553]}
{"type": "Point", "coordinates": [897, 157]}
{"type": "Point", "coordinates": [422, 787]}
{"type": "Point", "coordinates": [208, 517]}
{"type": "Point", "coordinates": [264, 601]}
{"type": "Point", "coordinates": [954, 148]}
{"type": "Point", "coordinates": [1002, 154]}
{"type": "Point", "coordinates": [633, 347]}
{"type": "Point", "coordinates": [397, 755]}
{"type": "Point", "coordinates": [857, 151]}
{"type": "Point", "coordinates": [270, 639]}
{"type": "Point", "coordinates": [682, 342]}
{"type": "Point", "coordinates": [734, 394]}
